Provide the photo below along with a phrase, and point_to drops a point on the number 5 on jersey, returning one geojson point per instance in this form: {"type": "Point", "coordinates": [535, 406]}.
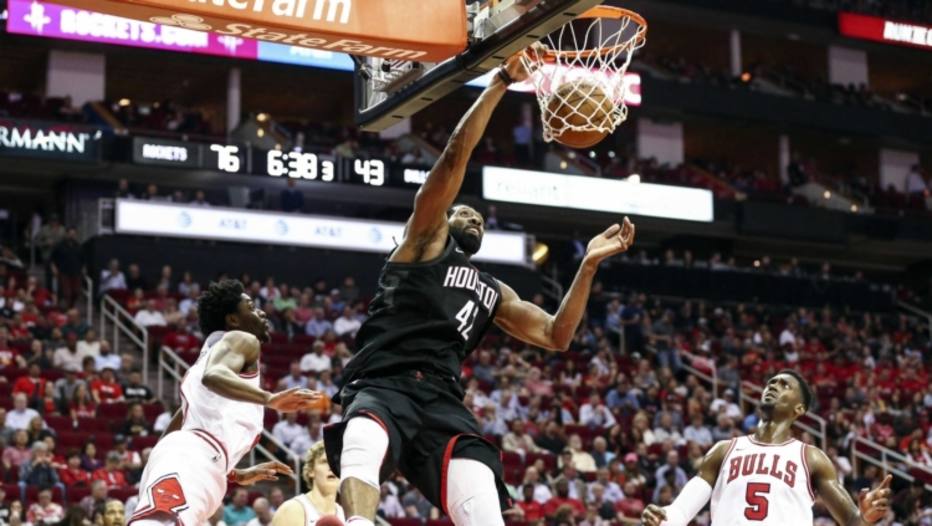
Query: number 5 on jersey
{"type": "Point", "coordinates": [467, 318]}
{"type": "Point", "coordinates": [758, 506]}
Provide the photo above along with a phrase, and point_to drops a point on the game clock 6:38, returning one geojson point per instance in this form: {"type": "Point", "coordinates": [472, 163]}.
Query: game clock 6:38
{"type": "Point", "coordinates": [299, 165]}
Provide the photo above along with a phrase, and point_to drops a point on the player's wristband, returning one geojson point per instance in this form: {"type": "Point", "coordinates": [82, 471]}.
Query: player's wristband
{"type": "Point", "coordinates": [506, 78]}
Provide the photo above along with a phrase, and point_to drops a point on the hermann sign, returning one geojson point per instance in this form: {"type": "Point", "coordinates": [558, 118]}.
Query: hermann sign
{"type": "Point", "coordinates": [42, 140]}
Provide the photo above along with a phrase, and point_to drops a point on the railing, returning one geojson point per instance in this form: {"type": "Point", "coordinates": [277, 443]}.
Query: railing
{"type": "Point", "coordinates": [88, 290]}
{"type": "Point", "coordinates": [175, 367]}
{"type": "Point", "coordinates": [888, 460]}
{"type": "Point", "coordinates": [912, 309]}
{"type": "Point", "coordinates": [816, 425]}
{"type": "Point", "coordinates": [106, 216]}
{"type": "Point", "coordinates": [123, 324]}
{"type": "Point", "coordinates": [711, 379]}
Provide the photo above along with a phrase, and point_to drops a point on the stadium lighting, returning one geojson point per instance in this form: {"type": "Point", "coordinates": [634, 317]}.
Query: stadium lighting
{"type": "Point", "coordinates": [541, 251]}
{"type": "Point", "coordinates": [827, 194]}
{"type": "Point", "coordinates": [124, 102]}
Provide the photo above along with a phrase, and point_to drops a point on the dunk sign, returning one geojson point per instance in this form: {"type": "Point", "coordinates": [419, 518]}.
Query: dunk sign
{"type": "Point", "coordinates": [393, 29]}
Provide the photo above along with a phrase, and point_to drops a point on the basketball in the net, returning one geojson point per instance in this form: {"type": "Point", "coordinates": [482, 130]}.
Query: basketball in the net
{"type": "Point", "coordinates": [328, 520]}
{"type": "Point", "coordinates": [580, 103]}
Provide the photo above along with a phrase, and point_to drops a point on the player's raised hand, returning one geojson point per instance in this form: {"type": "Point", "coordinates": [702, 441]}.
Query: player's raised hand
{"type": "Point", "coordinates": [267, 471]}
{"type": "Point", "coordinates": [294, 399]}
{"type": "Point", "coordinates": [653, 515]}
{"type": "Point", "coordinates": [517, 68]}
{"type": "Point", "coordinates": [875, 504]}
{"type": "Point", "coordinates": [615, 240]}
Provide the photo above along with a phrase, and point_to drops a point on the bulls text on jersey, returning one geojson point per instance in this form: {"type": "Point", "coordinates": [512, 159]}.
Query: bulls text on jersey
{"type": "Point", "coordinates": [762, 464]}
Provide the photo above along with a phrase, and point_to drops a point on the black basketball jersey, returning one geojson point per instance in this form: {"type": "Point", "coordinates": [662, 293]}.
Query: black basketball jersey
{"type": "Point", "coordinates": [428, 315]}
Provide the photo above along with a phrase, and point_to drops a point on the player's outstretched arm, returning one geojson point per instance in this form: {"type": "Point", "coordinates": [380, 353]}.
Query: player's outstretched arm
{"type": "Point", "coordinates": [694, 496]}
{"type": "Point", "coordinates": [426, 231]}
{"type": "Point", "coordinates": [530, 323]}
{"type": "Point", "coordinates": [266, 471]}
{"type": "Point", "coordinates": [872, 506]}
{"type": "Point", "coordinates": [229, 357]}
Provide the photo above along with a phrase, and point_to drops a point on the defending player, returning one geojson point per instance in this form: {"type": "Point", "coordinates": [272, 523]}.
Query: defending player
{"type": "Point", "coordinates": [770, 478]}
{"type": "Point", "coordinates": [320, 500]}
{"type": "Point", "coordinates": [401, 390]}
{"type": "Point", "coordinates": [220, 419]}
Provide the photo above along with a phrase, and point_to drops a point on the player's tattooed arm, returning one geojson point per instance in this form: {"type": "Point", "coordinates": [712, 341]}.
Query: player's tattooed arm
{"type": "Point", "coordinates": [872, 505]}
{"type": "Point", "coordinates": [230, 357]}
{"type": "Point", "coordinates": [426, 231]}
{"type": "Point", "coordinates": [530, 323]}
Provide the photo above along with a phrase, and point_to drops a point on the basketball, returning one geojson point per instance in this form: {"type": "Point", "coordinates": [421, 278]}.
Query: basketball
{"type": "Point", "coordinates": [321, 405]}
{"type": "Point", "coordinates": [328, 520]}
{"type": "Point", "coordinates": [580, 103]}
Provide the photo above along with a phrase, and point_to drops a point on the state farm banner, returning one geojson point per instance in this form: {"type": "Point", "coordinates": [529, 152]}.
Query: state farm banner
{"type": "Point", "coordinates": [47, 140]}
{"type": "Point", "coordinates": [397, 29]}
{"type": "Point", "coordinates": [880, 29]}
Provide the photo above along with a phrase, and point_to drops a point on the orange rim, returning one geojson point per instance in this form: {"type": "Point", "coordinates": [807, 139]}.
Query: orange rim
{"type": "Point", "coordinates": [603, 11]}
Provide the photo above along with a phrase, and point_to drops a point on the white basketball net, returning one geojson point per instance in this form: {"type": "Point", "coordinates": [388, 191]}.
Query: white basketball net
{"type": "Point", "coordinates": [593, 61]}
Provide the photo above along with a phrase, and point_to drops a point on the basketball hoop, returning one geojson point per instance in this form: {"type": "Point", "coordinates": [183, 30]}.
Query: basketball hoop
{"type": "Point", "coordinates": [579, 78]}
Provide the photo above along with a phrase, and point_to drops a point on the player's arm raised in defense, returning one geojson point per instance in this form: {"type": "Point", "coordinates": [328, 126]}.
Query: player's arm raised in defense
{"type": "Point", "coordinates": [872, 506]}
{"type": "Point", "coordinates": [229, 357]}
{"type": "Point", "coordinates": [531, 324]}
{"type": "Point", "coordinates": [426, 231]}
{"type": "Point", "coordinates": [694, 496]}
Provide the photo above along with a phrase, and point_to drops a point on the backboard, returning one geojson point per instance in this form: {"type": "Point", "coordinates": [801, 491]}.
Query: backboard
{"type": "Point", "coordinates": [390, 90]}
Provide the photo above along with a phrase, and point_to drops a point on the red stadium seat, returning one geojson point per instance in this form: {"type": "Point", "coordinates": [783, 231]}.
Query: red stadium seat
{"type": "Point", "coordinates": [142, 442]}
{"type": "Point", "coordinates": [76, 493]}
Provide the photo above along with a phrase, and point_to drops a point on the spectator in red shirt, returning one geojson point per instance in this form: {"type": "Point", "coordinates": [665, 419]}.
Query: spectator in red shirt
{"type": "Point", "coordinates": [563, 498]}
{"type": "Point", "coordinates": [73, 474]}
{"type": "Point", "coordinates": [180, 340]}
{"type": "Point", "coordinates": [631, 506]}
{"type": "Point", "coordinates": [105, 389]}
{"type": "Point", "coordinates": [112, 472]}
{"type": "Point", "coordinates": [532, 510]}
{"type": "Point", "coordinates": [32, 385]}
{"type": "Point", "coordinates": [82, 403]}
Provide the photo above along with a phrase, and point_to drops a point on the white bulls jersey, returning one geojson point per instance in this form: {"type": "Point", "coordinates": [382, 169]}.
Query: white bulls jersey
{"type": "Point", "coordinates": [763, 485]}
{"type": "Point", "coordinates": [311, 515]}
{"type": "Point", "coordinates": [235, 425]}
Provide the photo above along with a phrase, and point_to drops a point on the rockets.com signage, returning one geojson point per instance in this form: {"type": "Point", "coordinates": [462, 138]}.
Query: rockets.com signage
{"type": "Point", "coordinates": [883, 30]}
{"type": "Point", "coordinates": [342, 26]}
{"type": "Point", "coordinates": [246, 226]}
{"type": "Point", "coordinates": [22, 138]}
{"type": "Point", "coordinates": [47, 20]}
{"type": "Point", "coordinates": [596, 194]}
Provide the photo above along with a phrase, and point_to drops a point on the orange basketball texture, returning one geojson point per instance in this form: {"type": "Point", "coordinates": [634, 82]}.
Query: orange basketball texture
{"type": "Point", "coordinates": [329, 520]}
{"type": "Point", "coordinates": [321, 405]}
{"type": "Point", "coordinates": [581, 103]}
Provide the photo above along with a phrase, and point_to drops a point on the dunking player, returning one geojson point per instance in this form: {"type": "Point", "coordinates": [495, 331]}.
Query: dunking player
{"type": "Point", "coordinates": [220, 419]}
{"type": "Point", "coordinates": [401, 390]}
{"type": "Point", "coordinates": [769, 478]}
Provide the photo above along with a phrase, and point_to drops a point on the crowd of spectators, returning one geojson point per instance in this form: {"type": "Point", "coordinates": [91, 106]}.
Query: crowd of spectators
{"type": "Point", "coordinates": [592, 436]}
{"type": "Point", "coordinates": [161, 116]}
